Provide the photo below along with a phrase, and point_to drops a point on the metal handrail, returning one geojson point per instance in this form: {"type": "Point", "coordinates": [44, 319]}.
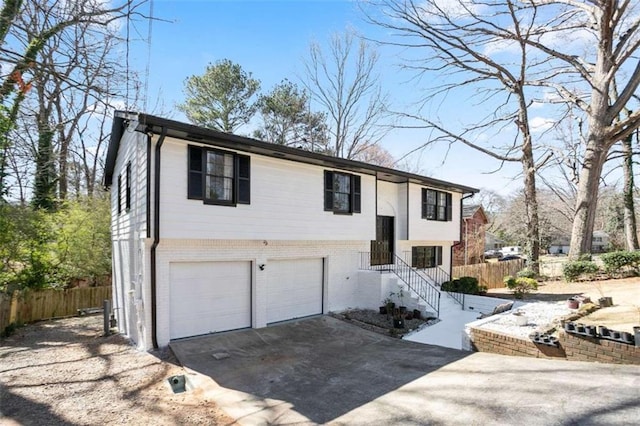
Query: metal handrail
{"type": "Point", "coordinates": [437, 274]}
{"type": "Point", "coordinates": [416, 282]}
{"type": "Point", "coordinates": [458, 297]}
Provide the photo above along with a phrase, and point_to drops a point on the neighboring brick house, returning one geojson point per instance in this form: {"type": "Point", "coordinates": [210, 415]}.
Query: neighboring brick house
{"type": "Point", "coordinates": [470, 249]}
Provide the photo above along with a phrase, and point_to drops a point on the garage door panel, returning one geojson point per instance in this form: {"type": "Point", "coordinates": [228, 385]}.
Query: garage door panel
{"type": "Point", "coordinates": [294, 288]}
{"type": "Point", "coordinates": [207, 297]}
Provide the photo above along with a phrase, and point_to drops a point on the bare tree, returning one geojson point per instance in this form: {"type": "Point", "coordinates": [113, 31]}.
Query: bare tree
{"type": "Point", "coordinates": [572, 53]}
{"type": "Point", "coordinates": [455, 42]}
{"type": "Point", "coordinates": [586, 81]}
{"type": "Point", "coordinates": [630, 223]}
{"type": "Point", "coordinates": [30, 32]}
{"type": "Point", "coordinates": [343, 81]}
{"type": "Point", "coordinates": [376, 154]}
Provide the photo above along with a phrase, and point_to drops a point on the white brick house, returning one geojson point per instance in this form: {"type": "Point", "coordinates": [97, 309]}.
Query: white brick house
{"type": "Point", "coordinates": [214, 232]}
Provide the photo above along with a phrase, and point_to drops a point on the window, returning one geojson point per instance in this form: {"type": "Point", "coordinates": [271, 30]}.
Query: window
{"type": "Point", "coordinates": [341, 192]}
{"type": "Point", "coordinates": [218, 177]}
{"type": "Point", "coordinates": [436, 205]}
{"type": "Point", "coordinates": [127, 195]}
{"type": "Point", "coordinates": [119, 194]}
{"type": "Point", "coordinates": [426, 256]}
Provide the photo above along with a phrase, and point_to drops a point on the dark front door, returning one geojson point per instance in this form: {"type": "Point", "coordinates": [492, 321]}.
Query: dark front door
{"type": "Point", "coordinates": [382, 247]}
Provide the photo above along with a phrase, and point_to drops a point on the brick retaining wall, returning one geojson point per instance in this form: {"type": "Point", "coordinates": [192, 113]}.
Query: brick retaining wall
{"type": "Point", "coordinates": [571, 347]}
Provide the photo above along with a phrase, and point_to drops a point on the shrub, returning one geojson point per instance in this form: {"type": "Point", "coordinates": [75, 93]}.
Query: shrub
{"type": "Point", "coordinates": [466, 285]}
{"type": "Point", "coordinates": [572, 270]}
{"type": "Point", "coordinates": [450, 285]}
{"type": "Point", "coordinates": [616, 261]}
{"type": "Point", "coordinates": [585, 257]}
{"type": "Point", "coordinates": [526, 273]}
{"type": "Point", "coordinates": [520, 285]}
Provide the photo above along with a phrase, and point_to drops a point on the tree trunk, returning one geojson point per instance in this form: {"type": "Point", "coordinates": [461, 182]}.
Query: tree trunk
{"type": "Point", "coordinates": [63, 174]}
{"type": "Point", "coordinates": [531, 209]}
{"type": "Point", "coordinates": [44, 189]}
{"type": "Point", "coordinates": [587, 198]}
{"type": "Point", "coordinates": [630, 228]}
{"type": "Point", "coordinates": [597, 145]}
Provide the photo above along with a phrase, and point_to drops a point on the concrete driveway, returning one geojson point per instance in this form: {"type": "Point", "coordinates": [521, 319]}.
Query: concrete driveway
{"type": "Point", "coordinates": [322, 370]}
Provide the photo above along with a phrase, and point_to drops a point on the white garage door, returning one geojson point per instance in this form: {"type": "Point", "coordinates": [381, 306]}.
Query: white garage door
{"type": "Point", "coordinates": [207, 297]}
{"type": "Point", "coordinates": [294, 288]}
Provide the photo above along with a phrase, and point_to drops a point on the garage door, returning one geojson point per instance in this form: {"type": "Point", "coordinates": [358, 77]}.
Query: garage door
{"type": "Point", "coordinates": [294, 288]}
{"type": "Point", "coordinates": [207, 297]}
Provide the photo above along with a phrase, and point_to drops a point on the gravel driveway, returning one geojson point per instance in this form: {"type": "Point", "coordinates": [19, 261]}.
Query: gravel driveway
{"type": "Point", "coordinates": [63, 372]}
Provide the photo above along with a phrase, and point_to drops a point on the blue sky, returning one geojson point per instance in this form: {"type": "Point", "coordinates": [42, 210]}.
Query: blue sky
{"type": "Point", "coordinates": [270, 38]}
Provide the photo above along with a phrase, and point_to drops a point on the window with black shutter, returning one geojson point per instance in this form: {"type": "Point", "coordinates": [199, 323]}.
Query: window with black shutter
{"type": "Point", "coordinates": [218, 177]}
{"type": "Point", "coordinates": [342, 192]}
{"type": "Point", "coordinates": [436, 205]}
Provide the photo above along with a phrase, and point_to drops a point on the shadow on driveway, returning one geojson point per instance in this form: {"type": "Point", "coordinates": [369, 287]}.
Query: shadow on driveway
{"type": "Point", "coordinates": [319, 368]}
{"type": "Point", "coordinates": [322, 370]}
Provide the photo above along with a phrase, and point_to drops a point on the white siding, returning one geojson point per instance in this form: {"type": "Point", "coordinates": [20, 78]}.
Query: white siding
{"type": "Point", "coordinates": [388, 199]}
{"type": "Point", "coordinates": [286, 203]}
{"type": "Point", "coordinates": [133, 149]}
{"type": "Point", "coordinates": [403, 217]}
{"type": "Point", "coordinates": [131, 296]}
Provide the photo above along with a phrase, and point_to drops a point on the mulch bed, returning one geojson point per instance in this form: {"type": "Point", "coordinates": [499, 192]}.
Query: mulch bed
{"type": "Point", "coordinates": [381, 323]}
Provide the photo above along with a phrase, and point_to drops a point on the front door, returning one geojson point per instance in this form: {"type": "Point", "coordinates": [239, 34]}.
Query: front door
{"type": "Point", "coordinates": [382, 247]}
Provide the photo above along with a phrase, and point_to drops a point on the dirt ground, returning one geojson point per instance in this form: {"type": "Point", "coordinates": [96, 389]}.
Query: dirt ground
{"type": "Point", "coordinates": [63, 372]}
{"type": "Point", "coordinates": [625, 294]}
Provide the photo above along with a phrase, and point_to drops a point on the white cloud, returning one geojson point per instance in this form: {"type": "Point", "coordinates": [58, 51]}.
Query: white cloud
{"type": "Point", "coordinates": [454, 9]}
{"type": "Point", "coordinates": [540, 124]}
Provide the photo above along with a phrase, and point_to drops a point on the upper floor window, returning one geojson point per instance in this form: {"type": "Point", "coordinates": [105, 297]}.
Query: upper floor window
{"type": "Point", "coordinates": [218, 177]}
{"type": "Point", "coordinates": [436, 205]}
{"type": "Point", "coordinates": [341, 192]}
{"type": "Point", "coordinates": [426, 256]}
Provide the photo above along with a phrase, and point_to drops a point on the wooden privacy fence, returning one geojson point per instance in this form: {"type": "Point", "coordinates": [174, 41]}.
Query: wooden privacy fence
{"type": "Point", "coordinates": [489, 274]}
{"type": "Point", "coordinates": [30, 305]}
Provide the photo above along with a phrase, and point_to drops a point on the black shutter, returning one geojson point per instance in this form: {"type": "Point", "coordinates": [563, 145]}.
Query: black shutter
{"type": "Point", "coordinates": [328, 190]}
{"type": "Point", "coordinates": [243, 176]}
{"type": "Point", "coordinates": [449, 207]}
{"type": "Point", "coordinates": [414, 257]}
{"type": "Point", "coordinates": [438, 255]}
{"type": "Point", "coordinates": [355, 193]}
{"type": "Point", "coordinates": [119, 194]}
{"type": "Point", "coordinates": [424, 203]}
{"type": "Point", "coordinates": [127, 194]}
{"type": "Point", "coordinates": [196, 176]}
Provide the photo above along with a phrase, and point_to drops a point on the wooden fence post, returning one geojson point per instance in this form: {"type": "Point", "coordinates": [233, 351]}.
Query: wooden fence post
{"type": "Point", "coordinates": [13, 309]}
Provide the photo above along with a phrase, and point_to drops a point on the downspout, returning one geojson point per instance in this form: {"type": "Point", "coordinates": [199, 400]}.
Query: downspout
{"type": "Point", "coordinates": [156, 236]}
{"type": "Point", "coordinates": [148, 184]}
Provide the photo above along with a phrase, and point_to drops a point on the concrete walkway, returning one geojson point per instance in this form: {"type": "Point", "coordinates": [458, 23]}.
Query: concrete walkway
{"type": "Point", "coordinates": [324, 371]}
{"type": "Point", "coordinates": [448, 332]}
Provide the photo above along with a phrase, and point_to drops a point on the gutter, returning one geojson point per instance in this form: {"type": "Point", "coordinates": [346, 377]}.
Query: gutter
{"type": "Point", "coordinates": [156, 235]}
